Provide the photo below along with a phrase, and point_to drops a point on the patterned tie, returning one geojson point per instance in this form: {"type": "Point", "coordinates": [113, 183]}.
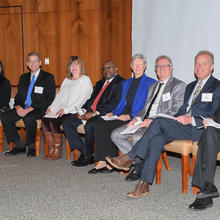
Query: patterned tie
{"type": "Point", "coordinates": [196, 93]}
{"type": "Point", "coordinates": [94, 105]}
{"type": "Point", "coordinates": [153, 100]}
{"type": "Point", "coordinates": [28, 99]}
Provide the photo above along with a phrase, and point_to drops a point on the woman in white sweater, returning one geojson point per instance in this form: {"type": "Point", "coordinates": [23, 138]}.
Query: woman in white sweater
{"type": "Point", "coordinates": [73, 93]}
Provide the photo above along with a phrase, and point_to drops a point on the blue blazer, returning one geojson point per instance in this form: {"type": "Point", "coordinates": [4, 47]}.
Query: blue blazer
{"type": "Point", "coordinates": [140, 96]}
{"type": "Point", "coordinates": [201, 107]}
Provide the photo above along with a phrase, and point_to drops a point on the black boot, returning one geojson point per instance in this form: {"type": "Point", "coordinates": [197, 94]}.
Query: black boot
{"type": "Point", "coordinates": [136, 171]}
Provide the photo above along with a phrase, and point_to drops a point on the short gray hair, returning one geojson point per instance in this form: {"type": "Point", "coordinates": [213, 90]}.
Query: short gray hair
{"type": "Point", "coordinates": [163, 57]}
{"type": "Point", "coordinates": [139, 56]}
{"type": "Point", "coordinates": [33, 54]}
{"type": "Point", "coordinates": [206, 52]}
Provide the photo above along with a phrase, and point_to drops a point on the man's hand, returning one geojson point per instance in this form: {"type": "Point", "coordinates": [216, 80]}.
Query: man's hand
{"type": "Point", "coordinates": [124, 117]}
{"type": "Point", "coordinates": [21, 111]}
{"type": "Point", "coordinates": [86, 116]}
{"type": "Point", "coordinates": [60, 112]}
{"type": "Point", "coordinates": [183, 119]}
{"type": "Point", "coordinates": [110, 114]}
{"type": "Point", "coordinates": [145, 123]}
{"type": "Point", "coordinates": [205, 123]}
{"type": "Point", "coordinates": [132, 122]}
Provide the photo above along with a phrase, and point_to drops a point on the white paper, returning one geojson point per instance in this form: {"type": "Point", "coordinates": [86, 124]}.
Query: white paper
{"type": "Point", "coordinates": [211, 122]}
{"type": "Point", "coordinates": [131, 129]}
{"type": "Point", "coordinates": [38, 89]}
{"type": "Point", "coordinates": [54, 110]}
{"type": "Point", "coordinates": [107, 118]}
{"type": "Point", "coordinates": [161, 115]}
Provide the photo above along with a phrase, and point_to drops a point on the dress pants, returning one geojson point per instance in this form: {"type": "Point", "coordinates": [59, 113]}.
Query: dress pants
{"type": "Point", "coordinates": [70, 125]}
{"type": "Point", "coordinates": [208, 148]}
{"type": "Point", "coordinates": [104, 145]}
{"type": "Point", "coordinates": [9, 119]}
{"type": "Point", "coordinates": [160, 132]}
{"type": "Point", "coordinates": [122, 140]}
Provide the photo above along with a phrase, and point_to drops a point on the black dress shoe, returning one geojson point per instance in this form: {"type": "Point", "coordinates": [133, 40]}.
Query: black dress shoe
{"type": "Point", "coordinates": [31, 152]}
{"type": "Point", "coordinates": [201, 204]}
{"type": "Point", "coordinates": [101, 170]}
{"type": "Point", "coordinates": [81, 158]}
{"type": "Point", "coordinates": [16, 151]}
{"type": "Point", "coordinates": [209, 192]}
{"type": "Point", "coordinates": [133, 175]}
{"type": "Point", "coordinates": [85, 161]}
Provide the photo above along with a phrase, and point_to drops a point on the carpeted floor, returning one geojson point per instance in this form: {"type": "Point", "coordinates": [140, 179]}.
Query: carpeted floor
{"type": "Point", "coordinates": [33, 188]}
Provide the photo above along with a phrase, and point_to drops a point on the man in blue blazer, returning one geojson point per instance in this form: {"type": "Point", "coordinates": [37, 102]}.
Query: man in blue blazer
{"type": "Point", "coordinates": [36, 91]}
{"type": "Point", "coordinates": [201, 98]}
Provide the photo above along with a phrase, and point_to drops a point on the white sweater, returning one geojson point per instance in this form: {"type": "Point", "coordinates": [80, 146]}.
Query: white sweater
{"type": "Point", "coordinates": [72, 95]}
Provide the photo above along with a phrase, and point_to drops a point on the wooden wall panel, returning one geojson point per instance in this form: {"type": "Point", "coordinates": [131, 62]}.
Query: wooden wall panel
{"type": "Point", "coordinates": [11, 53]}
{"type": "Point", "coordinates": [96, 30]}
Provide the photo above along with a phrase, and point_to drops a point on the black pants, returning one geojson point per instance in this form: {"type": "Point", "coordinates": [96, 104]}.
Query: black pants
{"type": "Point", "coordinates": [208, 148]}
{"type": "Point", "coordinates": [104, 145]}
{"type": "Point", "coordinates": [9, 119]}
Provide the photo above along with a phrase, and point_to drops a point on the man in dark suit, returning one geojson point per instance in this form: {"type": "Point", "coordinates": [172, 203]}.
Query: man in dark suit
{"type": "Point", "coordinates": [201, 98]}
{"type": "Point", "coordinates": [105, 97]}
{"type": "Point", "coordinates": [203, 177]}
{"type": "Point", "coordinates": [36, 91]}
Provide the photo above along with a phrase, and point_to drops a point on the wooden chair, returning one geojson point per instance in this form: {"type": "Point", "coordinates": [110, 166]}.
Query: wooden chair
{"type": "Point", "coordinates": [183, 147]}
{"type": "Point", "coordinates": [195, 149]}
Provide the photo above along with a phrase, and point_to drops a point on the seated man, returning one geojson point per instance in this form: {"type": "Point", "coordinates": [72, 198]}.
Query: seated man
{"type": "Point", "coordinates": [105, 97]}
{"type": "Point", "coordinates": [134, 95]}
{"type": "Point", "coordinates": [36, 91]}
{"type": "Point", "coordinates": [201, 98]}
{"type": "Point", "coordinates": [165, 99]}
{"type": "Point", "coordinates": [203, 177]}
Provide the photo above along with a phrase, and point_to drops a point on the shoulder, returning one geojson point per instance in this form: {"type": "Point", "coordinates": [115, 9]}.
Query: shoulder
{"type": "Point", "coordinates": [46, 74]}
{"type": "Point", "coordinates": [176, 81]}
{"type": "Point", "coordinates": [84, 78]}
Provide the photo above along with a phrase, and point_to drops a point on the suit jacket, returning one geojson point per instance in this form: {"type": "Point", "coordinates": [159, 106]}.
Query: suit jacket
{"type": "Point", "coordinates": [217, 115]}
{"type": "Point", "coordinates": [110, 97]}
{"type": "Point", "coordinates": [43, 92]}
{"type": "Point", "coordinates": [201, 107]}
{"type": "Point", "coordinates": [176, 89]}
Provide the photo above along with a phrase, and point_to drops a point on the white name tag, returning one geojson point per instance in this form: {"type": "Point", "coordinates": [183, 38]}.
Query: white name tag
{"type": "Point", "coordinates": [207, 97]}
{"type": "Point", "coordinates": [38, 89]}
{"type": "Point", "coordinates": [166, 97]}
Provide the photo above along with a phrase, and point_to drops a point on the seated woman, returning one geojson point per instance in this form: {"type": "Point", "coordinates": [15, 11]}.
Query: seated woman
{"type": "Point", "coordinates": [74, 92]}
{"type": "Point", "coordinates": [134, 94]}
{"type": "Point", "coordinates": [5, 91]}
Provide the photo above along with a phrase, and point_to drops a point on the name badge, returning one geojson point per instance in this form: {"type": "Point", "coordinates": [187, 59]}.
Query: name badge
{"type": "Point", "coordinates": [207, 97]}
{"type": "Point", "coordinates": [166, 97]}
{"type": "Point", "coordinates": [38, 89]}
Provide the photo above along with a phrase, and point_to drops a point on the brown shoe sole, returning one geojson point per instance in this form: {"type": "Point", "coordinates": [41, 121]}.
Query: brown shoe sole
{"type": "Point", "coordinates": [130, 195]}
{"type": "Point", "coordinates": [116, 166]}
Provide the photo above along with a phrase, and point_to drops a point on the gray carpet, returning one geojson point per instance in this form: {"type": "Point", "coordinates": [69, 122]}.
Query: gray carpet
{"type": "Point", "coordinates": [33, 188]}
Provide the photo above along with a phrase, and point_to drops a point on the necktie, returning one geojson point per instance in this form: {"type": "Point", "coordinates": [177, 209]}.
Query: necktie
{"type": "Point", "coordinates": [196, 93]}
{"type": "Point", "coordinates": [28, 99]}
{"type": "Point", "coordinates": [94, 105]}
{"type": "Point", "coordinates": [153, 100]}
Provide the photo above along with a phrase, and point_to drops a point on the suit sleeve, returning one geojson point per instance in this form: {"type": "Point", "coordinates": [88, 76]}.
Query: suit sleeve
{"type": "Point", "coordinates": [19, 100]}
{"type": "Point", "coordinates": [178, 98]}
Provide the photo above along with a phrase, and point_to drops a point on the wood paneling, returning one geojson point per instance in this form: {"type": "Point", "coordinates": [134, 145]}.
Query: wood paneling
{"type": "Point", "coordinates": [96, 30]}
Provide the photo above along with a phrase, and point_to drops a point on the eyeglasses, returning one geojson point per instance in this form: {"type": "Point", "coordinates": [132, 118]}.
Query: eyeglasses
{"type": "Point", "coordinates": [163, 66]}
{"type": "Point", "coordinates": [107, 68]}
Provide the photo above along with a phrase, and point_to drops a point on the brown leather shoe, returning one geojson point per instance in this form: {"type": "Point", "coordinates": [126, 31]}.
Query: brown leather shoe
{"type": "Point", "coordinates": [56, 151]}
{"type": "Point", "coordinates": [142, 188]}
{"type": "Point", "coordinates": [49, 139]}
{"type": "Point", "coordinates": [122, 162]}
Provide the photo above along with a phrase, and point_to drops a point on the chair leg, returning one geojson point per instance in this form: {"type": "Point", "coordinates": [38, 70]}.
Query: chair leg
{"type": "Point", "coordinates": [45, 147]}
{"type": "Point", "coordinates": [11, 146]}
{"type": "Point", "coordinates": [185, 170]}
{"type": "Point", "coordinates": [1, 139]}
{"type": "Point", "coordinates": [37, 141]}
{"type": "Point", "coordinates": [195, 189]}
{"type": "Point", "coordinates": [164, 155]}
{"type": "Point", "coordinates": [158, 170]}
{"type": "Point", "coordinates": [68, 151]}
